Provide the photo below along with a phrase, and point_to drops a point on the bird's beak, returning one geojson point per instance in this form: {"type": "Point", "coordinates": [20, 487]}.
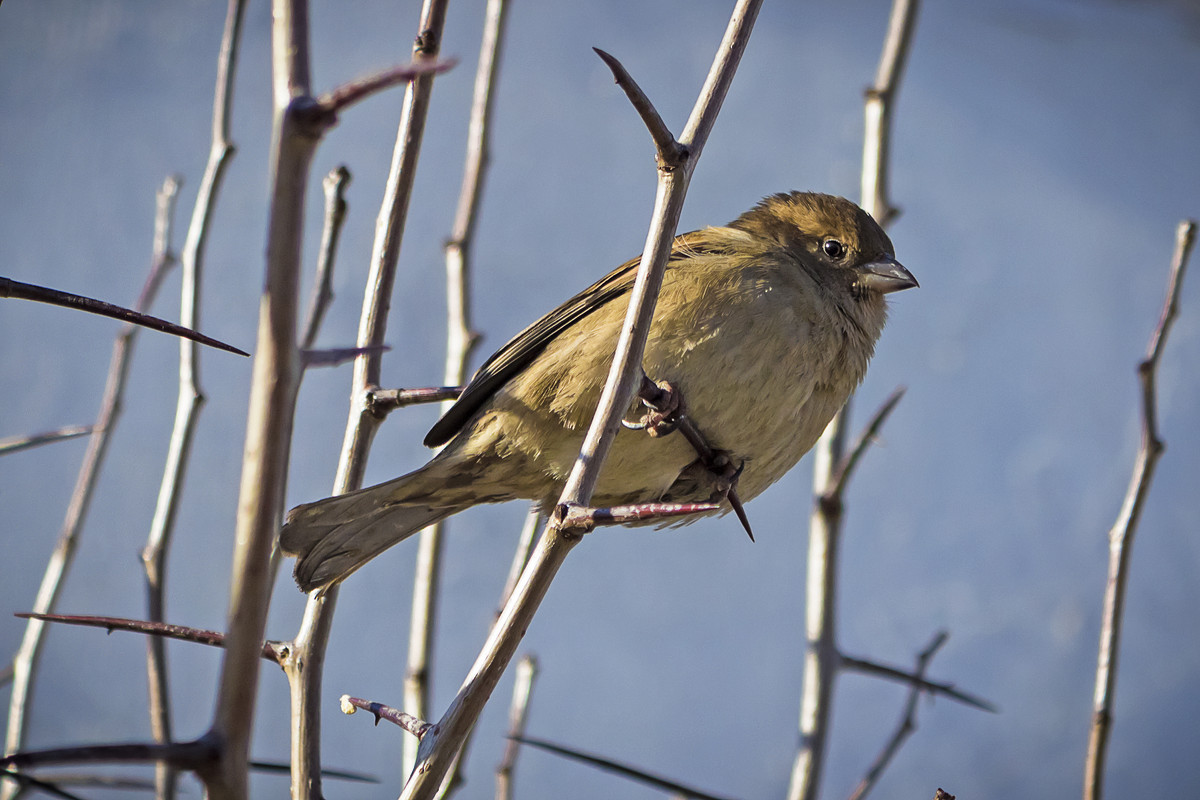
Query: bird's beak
{"type": "Point", "coordinates": [885, 274]}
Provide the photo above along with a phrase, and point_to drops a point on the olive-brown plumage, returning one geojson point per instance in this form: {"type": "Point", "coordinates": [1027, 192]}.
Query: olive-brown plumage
{"type": "Point", "coordinates": [765, 326]}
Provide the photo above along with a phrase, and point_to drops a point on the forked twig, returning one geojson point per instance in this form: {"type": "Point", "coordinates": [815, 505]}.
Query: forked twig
{"type": "Point", "coordinates": [908, 722]}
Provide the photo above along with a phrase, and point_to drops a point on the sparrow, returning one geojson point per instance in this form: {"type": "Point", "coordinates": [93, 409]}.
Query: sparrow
{"type": "Point", "coordinates": [764, 327]}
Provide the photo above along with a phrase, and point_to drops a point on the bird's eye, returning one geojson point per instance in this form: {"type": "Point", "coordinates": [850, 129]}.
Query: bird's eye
{"type": "Point", "coordinates": [833, 248]}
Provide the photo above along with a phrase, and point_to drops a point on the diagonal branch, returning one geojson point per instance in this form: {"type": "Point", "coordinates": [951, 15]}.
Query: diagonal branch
{"type": "Point", "coordinates": [54, 297]}
{"type": "Point", "coordinates": [15, 444]}
{"type": "Point", "coordinates": [669, 152]}
{"type": "Point", "coordinates": [438, 750]}
{"type": "Point", "coordinates": [25, 661]}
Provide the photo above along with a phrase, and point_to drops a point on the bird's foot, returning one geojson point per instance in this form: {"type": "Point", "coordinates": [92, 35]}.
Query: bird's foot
{"type": "Point", "coordinates": [666, 408]}
{"type": "Point", "coordinates": [668, 413]}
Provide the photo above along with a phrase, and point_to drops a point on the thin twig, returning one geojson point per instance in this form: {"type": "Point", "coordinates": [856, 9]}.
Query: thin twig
{"type": "Point", "coordinates": [438, 750]}
{"type": "Point", "coordinates": [335, 184]}
{"type": "Point", "coordinates": [668, 151]}
{"type": "Point", "coordinates": [878, 111]}
{"type": "Point", "coordinates": [617, 768]}
{"type": "Point", "coordinates": [845, 468]}
{"type": "Point", "coordinates": [190, 398]}
{"type": "Point", "coordinates": [534, 521]}
{"type": "Point", "coordinates": [305, 668]}
{"type": "Point", "coordinates": [15, 444]}
{"type": "Point", "coordinates": [1120, 537]}
{"type": "Point", "coordinates": [821, 657]}
{"type": "Point", "coordinates": [25, 661]}
{"type": "Point", "coordinates": [332, 103]}
{"type": "Point", "coordinates": [271, 651]}
{"type": "Point", "coordinates": [184, 755]}
{"type": "Point", "coordinates": [381, 402]}
{"type": "Point", "coordinates": [336, 356]}
{"type": "Point", "coordinates": [868, 667]}
{"type": "Point", "coordinates": [908, 722]}
{"type": "Point", "coordinates": [518, 715]}
{"type": "Point", "coordinates": [417, 727]}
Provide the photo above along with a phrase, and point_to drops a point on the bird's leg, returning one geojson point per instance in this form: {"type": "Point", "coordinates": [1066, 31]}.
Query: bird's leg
{"type": "Point", "coordinates": [668, 413]}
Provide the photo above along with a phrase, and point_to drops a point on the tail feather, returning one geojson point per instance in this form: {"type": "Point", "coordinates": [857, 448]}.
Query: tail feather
{"type": "Point", "coordinates": [331, 538]}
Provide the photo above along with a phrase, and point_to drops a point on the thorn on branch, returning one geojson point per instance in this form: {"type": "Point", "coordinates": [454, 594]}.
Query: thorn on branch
{"type": "Point", "coordinates": [417, 727]}
{"type": "Point", "coordinates": [43, 294]}
{"type": "Point", "coordinates": [670, 153]}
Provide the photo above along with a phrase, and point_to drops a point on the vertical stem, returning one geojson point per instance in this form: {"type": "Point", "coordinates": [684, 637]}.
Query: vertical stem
{"type": "Point", "coordinates": [821, 660]}
{"type": "Point", "coordinates": [460, 341]}
{"type": "Point", "coordinates": [1120, 536]}
{"type": "Point", "coordinates": [190, 396]}
{"type": "Point", "coordinates": [305, 664]}
{"type": "Point", "coordinates": [272, 406]}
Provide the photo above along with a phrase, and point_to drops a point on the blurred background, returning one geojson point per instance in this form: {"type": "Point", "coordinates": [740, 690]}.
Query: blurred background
{"type": "Point", "coordinates": [1043, 154]}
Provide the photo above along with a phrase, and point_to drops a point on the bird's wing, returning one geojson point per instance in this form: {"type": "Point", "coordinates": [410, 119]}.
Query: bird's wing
{"type": "Point", "coordinates": [513, 357]}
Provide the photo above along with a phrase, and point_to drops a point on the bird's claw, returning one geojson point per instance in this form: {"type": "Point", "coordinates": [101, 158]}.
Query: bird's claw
{"type": "Point", "coordinates": [666, 408]}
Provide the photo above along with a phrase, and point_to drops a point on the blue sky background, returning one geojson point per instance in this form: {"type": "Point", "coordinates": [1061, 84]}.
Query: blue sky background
{"type": "Point", "coordinates": [1044, 152]}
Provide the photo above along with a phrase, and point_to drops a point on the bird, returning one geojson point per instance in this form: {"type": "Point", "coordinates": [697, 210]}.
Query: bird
{"type": "Point", "coordinates": [763, 327]}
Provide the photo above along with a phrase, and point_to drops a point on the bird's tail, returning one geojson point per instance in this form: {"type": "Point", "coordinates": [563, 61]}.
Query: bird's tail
{"type": "Point", "coordinates": [331, 538]}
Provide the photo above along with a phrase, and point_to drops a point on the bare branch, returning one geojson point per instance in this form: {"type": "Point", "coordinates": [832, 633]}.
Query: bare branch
{"type": "Point", "coordinates": [518, 715]}
{"type": "Point", "coordinates": [190, 397]}
{"type": "Point", "coordinates": [879, 670]}
{"type": "Point", "coordinates": [417, 727]}
{"type": "Point", "coordinates": [25, 661]}
{"type": "Point", "coordinates": [44, 294]}
{"type": "Point", "coordinates": [381, 402]}
{"type": "Point", "coordinates": [272, 405]}
{"type": "Point", "coordinates": [336, 356]}
{"type": "Point", "coordinates": [821, 658]}
{"type": "Point", "coordinates": [617, 768]}
{"type": "Point", "coordinates": [908, 722]}
{"type": "Point", "coordinates": [534, 521]}
{"type": "Point", "coordinates": [878, 111]}
{"type": "Point", "coordinates": [335, 184]}
{"type": "Point", "coordinates": [332, 103]}
{"type": "Point", "coordinates": [585, 518]}
{"type": "Point", "coordinates": [1120, 537]}
{"type": "Point", "coordinates": [845, 468]}
{"type": "Point", "coordinates": [15, 444]}
{"type": "Point", "coordinates": [271, 651]}
{"type": "Point", "coordinates": [669, 152]}
{"type": "Point", "coordinates": [305, 665]}
{"type": "Point", "coordinates": [183, 755]}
